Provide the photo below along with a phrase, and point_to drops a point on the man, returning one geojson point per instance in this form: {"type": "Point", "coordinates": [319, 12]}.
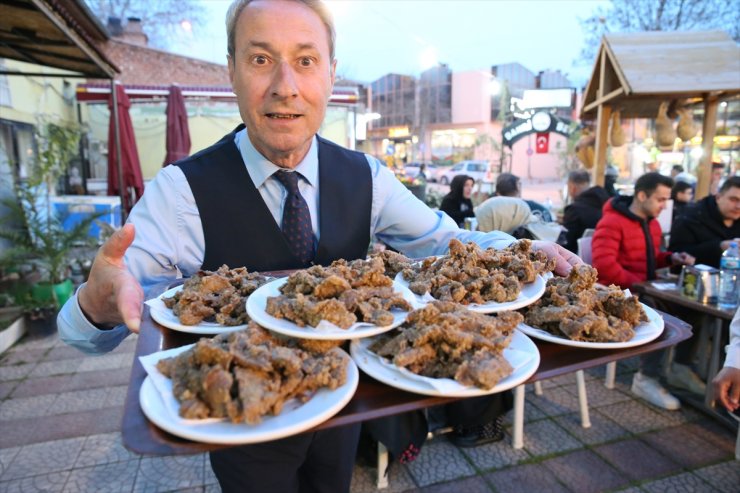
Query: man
{"type": "Point", "coordinates": [509, 185]}
{"type": "Point", "coordinates": [706, 229]}
{"type": "Point", "coordinates": [585, 209]}
{"type": "Point", "coordinates": [676, 170]}
{"type": "Point", "coordinates": [727, 381]}
{"type": "Point", "coordinates": [626, 250]}
{"type": "Point", "coordinates": [718, 172]}
{"type": "Point", "coordinates": [226, 204]}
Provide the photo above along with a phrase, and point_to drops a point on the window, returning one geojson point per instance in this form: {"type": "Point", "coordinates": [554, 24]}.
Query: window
{"type": "Point", "coordinates": [4, 87]}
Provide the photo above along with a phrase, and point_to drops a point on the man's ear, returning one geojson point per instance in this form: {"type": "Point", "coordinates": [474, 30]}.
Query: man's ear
{"type": "Point", "coordinates": [230, 64]}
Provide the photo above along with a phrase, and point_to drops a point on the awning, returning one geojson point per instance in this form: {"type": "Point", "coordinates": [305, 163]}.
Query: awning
{"type": "Point", "coordinates": [178, 132]}
{"type": "Point", "coordinates": [56, 33]}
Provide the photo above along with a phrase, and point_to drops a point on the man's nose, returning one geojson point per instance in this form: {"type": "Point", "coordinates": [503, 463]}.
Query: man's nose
{"type": "Point", "coordinates": [284, 81]}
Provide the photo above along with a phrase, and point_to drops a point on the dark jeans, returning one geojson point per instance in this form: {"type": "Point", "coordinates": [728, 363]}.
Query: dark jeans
{"type": "Point", "coordinates": [319, 462]}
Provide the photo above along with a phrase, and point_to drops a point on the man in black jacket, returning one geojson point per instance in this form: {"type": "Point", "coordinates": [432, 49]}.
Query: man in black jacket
{"type": "Point", "coordinates": [707, 228]}
{"type": "Point", "coordinates": [585, 210]}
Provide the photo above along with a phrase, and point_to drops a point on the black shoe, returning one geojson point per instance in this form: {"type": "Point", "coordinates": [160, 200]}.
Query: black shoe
{"type": "Point", "coordinates": [473, 436]}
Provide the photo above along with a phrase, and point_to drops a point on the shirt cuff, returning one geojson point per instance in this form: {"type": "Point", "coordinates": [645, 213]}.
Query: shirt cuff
{"type": "Point", "coordinates": [733, 356]}
{"type": "Point", "coordinates": [77, 331]}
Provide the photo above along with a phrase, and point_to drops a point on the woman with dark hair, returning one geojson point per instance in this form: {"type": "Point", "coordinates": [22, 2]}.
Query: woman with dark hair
{"type": "Point", "coordinates": [682, 194]}
{"type": "Point", "coordinates": [457, 203]}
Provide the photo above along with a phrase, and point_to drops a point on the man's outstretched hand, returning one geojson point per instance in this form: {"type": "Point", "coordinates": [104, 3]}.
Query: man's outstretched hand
{"type": "Point", "coordinates": [112, 295]}
{"type": "Point", "coordinates": [564, 260]}
{"type": "Point", "coordinates": [727, 387]}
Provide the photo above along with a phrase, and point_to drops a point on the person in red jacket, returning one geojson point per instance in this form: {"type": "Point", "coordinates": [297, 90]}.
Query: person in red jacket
{"type": "Point", "coordinates": [626, 250]}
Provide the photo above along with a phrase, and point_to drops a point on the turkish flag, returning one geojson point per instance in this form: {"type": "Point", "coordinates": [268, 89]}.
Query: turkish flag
{"type": "Point", "coordinates": [542, 143]}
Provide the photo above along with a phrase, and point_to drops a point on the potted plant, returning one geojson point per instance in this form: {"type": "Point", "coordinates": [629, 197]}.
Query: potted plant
{"type": "Point", "coordinates": [40, 239]}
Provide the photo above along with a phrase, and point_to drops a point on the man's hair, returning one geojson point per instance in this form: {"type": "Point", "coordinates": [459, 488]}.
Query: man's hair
{"type": "Point", "coordinates": [650, 181]}
{"type": "Point", "coordinates": [716, 165]}
{"type": "Point", "coordinates": [507, 185]}
{"type": "Point", "coordinates": [237, 6]}
{"type": "Point", "coordinates": [733, 181]}
{"type": "Point", "coordinates": [579, 177]}
{"type": "Point", "coordinates": [679, 187]}
{"type": "Point", "coordinates": [677, 167]}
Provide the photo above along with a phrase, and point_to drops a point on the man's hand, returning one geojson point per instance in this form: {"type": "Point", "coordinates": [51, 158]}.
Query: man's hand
{"type": "Point", "coordinates": [726, 386]}
{"type": "Point", "coordinates": [564, 260]}
{"type": "Point", "coordinates": [682, 258]}
{"type": "Point", "coordinates": [112, 295]}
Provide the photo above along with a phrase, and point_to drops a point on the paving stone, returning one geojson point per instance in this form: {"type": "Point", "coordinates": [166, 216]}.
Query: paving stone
{"type": "Point", "coordinates": [106, 362]}
{"type": "Point", "coordinates": [215, 488]}
{"type": "Point", "coordinates": [44, 458]}
{"type": "Point", "coordinates": [33, 342]}
{"type": "Point", "coordinates": [40, 386]}
{"type": "Point", "coordinates": [6, 388]}
{"type": "Point", "coordinates": [530, 477]}
{"type": "Point", "coordinates": [104, 449]}
{"type": "Point", "coordinates": [62, 367]}
{"type": "Point", "coordinates": [43, 483]}
{"type": "Point", "coordinates": [583, 471]}
{"type": "Point", "coordinates": [209, 476]}
{"type": "Point", "coordinates": [364, 480]}
{"type": "Point", "coordinates": [95, 379]}
{"type": "Point", "coordinates": [159, 474]}
{"type": "Point", "coordinates": [79, 400]}
{"type": "Point", "coordinates": [562, 380]}
{"type": "Point", "coordinates": [636, 417]}
{"type": "Point", "coordinates": [631, 489]}
{"type": "Point", "coordinates": [468, 485]}
{"type": "Point", "coordinates": [116, 396]}
{"type": "Point", "coordinates": [63, 352]}
{"type": "Point", "coordinates": [127, 346]}
{"type": "Point", "coordinates": [680, 483]}
{"type": "Point", "coordinates": [545, 437]}
{"type": "Point", "coordinates": [439, 461]}
{"type": "Point", "coordinates": [15, 372]}
{"type": "Point", "coordinates": [554, 401]}
{"type": "Point", "coordinates": [6, 457]}
{"type": "Point", "coordinates": [724, 476]}
{"type": "Point", "coordinates": [636, 459]}
{"type": "Point", "coordinates": [602, 428]}
{"type": "Point", "coordinates": [117, 477]}
{"type": "Point", "coordinates": [715, 433]}
{"type": "Point", "coordinates": [686, 448]}
{"type": "Point", "coordinates": [495, 455]}
{"type": "Point", "coordinates": [598, 395]}
{"type": "Point", "coordinates": [26, 407]}
{"type": "Point", "coordinates": [19, 355]}
{"type": "Point", "coordinates": [531, 413]}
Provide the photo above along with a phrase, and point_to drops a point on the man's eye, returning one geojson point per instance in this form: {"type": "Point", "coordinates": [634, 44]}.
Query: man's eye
{"type": "Point", "coordinates": [305, 61]}
{"type": "Point", "coordinates": [260, 60]}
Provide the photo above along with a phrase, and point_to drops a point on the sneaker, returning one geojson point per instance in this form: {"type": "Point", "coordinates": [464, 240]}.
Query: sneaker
{"type": "Point", "coordinates": [683, 377]}
{"type": "Point", "coordinates": [652, 391]}
{"type": "Point", "coordinates": [473, 436]}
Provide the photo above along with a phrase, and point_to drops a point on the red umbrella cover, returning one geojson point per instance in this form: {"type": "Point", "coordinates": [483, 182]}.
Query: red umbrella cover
{"type": "Point", "coordinates": [178, 134]}
{"type": "Point", "coordinates": [133, 184]}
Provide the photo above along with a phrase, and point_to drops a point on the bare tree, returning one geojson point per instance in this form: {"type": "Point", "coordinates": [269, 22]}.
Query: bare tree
{"type": "Point", "coordinates": [658, 15]}
{"type": "Point", "coordinates": [159, 18]}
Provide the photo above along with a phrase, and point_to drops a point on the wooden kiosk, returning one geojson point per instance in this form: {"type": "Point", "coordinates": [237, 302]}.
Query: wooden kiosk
{"type": "Point", "coordinates": [635, 72]}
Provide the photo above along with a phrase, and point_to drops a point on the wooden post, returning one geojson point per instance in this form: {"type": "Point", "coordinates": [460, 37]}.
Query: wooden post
{"type": "Point", "coordinates": [709, 129]}
{"type": "Point", "coordinates": [603, 113]}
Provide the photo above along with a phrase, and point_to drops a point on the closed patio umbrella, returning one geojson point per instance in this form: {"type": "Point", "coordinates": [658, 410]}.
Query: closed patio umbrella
{"type": "Point", "coordinates": [178, 134]}
{"type": "Point", "coordinates": [132, 182]}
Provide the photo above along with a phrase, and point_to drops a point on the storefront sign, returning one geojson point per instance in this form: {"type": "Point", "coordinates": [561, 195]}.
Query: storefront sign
{"type": "Point", "coordinates": [541, 122]}
{"type": "Point", "coordinates": [396, 132]}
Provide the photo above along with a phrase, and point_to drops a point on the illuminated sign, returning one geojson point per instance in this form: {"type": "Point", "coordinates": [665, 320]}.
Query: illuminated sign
{"type": "Point", "coordinates": [547, 98]}
{"type": "Point", "coordinates": [540, 122]}
{"type": "Point", "coordinates": [395, 132]}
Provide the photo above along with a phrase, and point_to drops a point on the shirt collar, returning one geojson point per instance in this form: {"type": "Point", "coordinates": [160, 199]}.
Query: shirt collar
{"type": "Point", "coordinates": [260, 168]}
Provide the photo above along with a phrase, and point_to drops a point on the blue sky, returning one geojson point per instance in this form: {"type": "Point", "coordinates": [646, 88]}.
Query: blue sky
{"type": "Point", "coordinates": [375, 37]}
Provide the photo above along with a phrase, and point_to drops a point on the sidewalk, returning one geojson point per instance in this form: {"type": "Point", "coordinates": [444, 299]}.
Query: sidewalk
{"type": "Point", "coordinates": [60, 414]}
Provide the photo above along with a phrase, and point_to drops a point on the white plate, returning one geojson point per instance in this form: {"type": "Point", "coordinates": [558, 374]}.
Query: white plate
{"type": "Point", "coordinates": [257, 303]}
{"type": "Point", "coordinates": [644, 333]}
{"type": "Point", "coordinates": [530, 293]}
{"type": "Point", "coordinates": [166, 317]}
{"type": "Point", "coordinates": [160, 406]}
{"type": "Point", "coordinates": [522, 355]}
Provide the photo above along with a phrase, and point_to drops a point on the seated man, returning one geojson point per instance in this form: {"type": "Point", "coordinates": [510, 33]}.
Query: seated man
{"type": "Point", "coordinates": [626, 250]}
{"type": "Point", "coordinates": [706, 229]}
{"type": "Point", "coordinates": [585, 209]}
{"type": "Point", "coordinates": [509, 185]}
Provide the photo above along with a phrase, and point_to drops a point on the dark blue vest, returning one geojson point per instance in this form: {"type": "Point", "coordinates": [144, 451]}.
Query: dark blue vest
{"type": "Point", "coordinates": [238, 227]}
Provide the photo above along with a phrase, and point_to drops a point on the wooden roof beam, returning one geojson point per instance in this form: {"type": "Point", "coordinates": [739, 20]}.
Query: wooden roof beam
{"type": "Point", "coordinates": [616, 92]}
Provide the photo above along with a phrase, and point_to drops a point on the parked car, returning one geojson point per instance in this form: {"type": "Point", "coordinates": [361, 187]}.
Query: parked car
{"type": "Point", "coordinates": [477, 170]}
{"type": "Point", "coordinates": [412, 170]}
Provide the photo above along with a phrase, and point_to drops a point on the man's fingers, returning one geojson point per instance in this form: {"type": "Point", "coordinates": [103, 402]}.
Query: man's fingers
{"type": "Point", "coordinates": [129, 301]}
{"type": "Point", "coordinates": [115, 248]}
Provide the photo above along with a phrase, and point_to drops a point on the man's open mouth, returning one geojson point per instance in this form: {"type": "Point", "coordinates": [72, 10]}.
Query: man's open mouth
{"type": "Point", "coordinates": [282, 116]}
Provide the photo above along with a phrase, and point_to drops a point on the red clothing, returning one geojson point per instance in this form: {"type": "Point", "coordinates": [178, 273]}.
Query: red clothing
{"type": "Point", "coordinates": [619, 246]}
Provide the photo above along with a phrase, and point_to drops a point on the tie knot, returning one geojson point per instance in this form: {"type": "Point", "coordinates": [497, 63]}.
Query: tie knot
{"type": "Point", "coordinates": [289, 179]}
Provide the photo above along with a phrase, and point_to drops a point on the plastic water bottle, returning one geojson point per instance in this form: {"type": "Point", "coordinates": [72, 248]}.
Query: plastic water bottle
{"type": "Point", "coordinates": [729, 277]}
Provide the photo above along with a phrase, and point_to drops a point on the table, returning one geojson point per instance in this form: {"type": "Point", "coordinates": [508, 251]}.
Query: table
{"type": "Point", "coordinates": [666, 299]}
{"type": "Point", "coordinates": [372, 399]}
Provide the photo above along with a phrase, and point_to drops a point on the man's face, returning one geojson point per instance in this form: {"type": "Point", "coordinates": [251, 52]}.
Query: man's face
{"type": "Point", "coordinates": [652, 205]}
{"type": "Point", "coordinates": [728, 203]}
{"type": "Point", "coordinates": [717, 174]}
{"type": "Point", "coordinates": [282, 75]}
